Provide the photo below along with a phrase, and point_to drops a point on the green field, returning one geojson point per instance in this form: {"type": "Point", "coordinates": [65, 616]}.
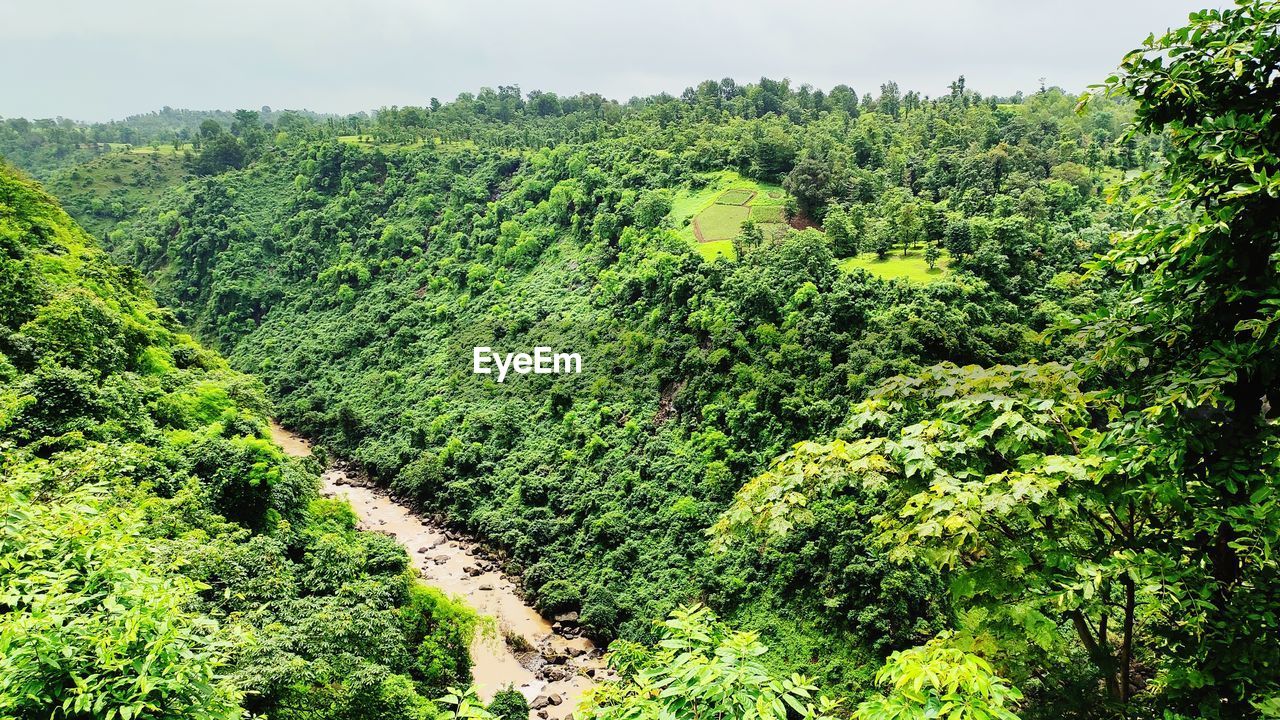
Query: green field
{"type": "Point", "coordinates": [768, 213]}
{"type": "Point", "coordinates": [735, 197]}
{"type": "Point", "coordinates": [718, 210]}
{"type": "Point", "coordinates": [912, 267]}
{"type": "Point", "coordinates": [716, 248]}
{"type": "Point", "coordinates": [720, 222]}
{"type": "Point", "coordinates": [101, 192]}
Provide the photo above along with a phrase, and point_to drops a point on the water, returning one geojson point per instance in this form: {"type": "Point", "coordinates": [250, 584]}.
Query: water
{"type": "Point", "coordinates": [550, 667]}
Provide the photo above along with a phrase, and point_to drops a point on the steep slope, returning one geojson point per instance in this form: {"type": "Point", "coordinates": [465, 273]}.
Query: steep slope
{"type": "Point", "coordinates": [356, 280]}
{"type": "Point", "coordinates": [159, 556]}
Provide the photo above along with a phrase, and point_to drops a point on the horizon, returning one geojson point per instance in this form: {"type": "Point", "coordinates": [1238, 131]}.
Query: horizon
{"type": "Point", "coordinates": [343, 59]}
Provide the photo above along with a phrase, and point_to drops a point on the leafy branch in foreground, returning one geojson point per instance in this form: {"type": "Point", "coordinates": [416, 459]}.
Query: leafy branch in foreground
{"type": "Point", "coordinates": [940, 682]}
{"type": "Point", "coordinates": [701, 669]}
{"type": "Point", "coordinates": [1132, 497]}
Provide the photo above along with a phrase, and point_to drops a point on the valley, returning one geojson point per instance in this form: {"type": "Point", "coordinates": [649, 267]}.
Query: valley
{"type": "Point", "coordinates": [755, 400]}
{"type": "Point", "coordinates": [515, 647]}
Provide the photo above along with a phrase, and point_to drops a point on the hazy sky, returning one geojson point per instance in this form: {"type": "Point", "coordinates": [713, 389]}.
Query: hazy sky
{"type": "Point", "coordinates": [102, 59]}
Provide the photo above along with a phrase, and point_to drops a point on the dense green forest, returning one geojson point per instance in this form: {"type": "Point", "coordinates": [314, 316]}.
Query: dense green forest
{"type": "Point", "coordinates": [355, 280]}
{"type": "Point", "coordinates": [159, 557]}
{"type": "Point", "coordinates": [890, 405]}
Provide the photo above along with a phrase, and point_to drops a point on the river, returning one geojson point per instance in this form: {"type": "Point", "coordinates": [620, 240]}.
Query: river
{"type": "Point", "coordinates": [550, 668]}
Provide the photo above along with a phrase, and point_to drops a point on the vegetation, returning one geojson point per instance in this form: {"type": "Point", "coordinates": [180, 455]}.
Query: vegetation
{"type": "Point", "coordinates": [999, 375]}
{"type": "Point", "coordinates": [158, 556]}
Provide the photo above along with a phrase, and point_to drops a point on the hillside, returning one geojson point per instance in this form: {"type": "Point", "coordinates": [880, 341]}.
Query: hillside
{"type": "Point", "coordinates": [807, 403]}
{"type": "Point", "coordinates": [160, 556]}
{"type": "Point", "coordinates": [355, 280]}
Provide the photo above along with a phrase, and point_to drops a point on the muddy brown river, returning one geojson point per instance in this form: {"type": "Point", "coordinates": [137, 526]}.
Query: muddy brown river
{"type": "Point", "coordinates": [521, 649]}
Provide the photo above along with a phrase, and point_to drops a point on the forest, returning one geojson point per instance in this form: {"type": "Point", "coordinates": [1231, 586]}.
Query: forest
{"type": "Point", "coordinates": [889, 406]}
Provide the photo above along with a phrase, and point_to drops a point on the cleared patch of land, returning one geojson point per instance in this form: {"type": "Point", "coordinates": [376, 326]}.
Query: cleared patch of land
{"type": "Point", "coordinates": [720, 222]}
{"type": "Point", "coordinates": [734, 197]}
{"type": "Point", "coordinates": [768, 213]}
{"type": "Point", "coordinates": [716, 249]}
{"type": "Point", "coordinates": [712, 215]}
{"type": "Point", "coordinates": [912, 267]}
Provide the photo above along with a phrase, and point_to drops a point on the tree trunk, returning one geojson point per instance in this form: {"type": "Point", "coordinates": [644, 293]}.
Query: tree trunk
{"type": "Point", "coordinates": [1126, 646]}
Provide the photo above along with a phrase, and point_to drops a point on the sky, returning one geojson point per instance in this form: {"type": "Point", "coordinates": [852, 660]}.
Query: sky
{"type": "Point", "coordinates": [98, 59]}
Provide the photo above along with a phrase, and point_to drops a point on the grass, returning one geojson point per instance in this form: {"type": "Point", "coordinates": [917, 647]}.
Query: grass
{"type": "Point", "coordinates": [735, 197]}
{"type": "Point", "coordinates": [912, 267]}
{"type": "Point", "coordinates": [767, 213]}
{"type": "Point", "coordinates": [132, 179]}
{"type": "Point", "coordinates": [367, 141]}
{"type": "Point", "coordinates": [716, 248]}
{"type": "Point", "coordinates": [721, 222]}
{"type": "Point", "coordinates": [721, 206]}
{"type": "Point", "coordinates": [163, 149]}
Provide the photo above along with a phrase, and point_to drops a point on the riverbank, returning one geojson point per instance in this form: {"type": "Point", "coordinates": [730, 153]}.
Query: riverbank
{"type": "Point", "coordinates": [546, 662]}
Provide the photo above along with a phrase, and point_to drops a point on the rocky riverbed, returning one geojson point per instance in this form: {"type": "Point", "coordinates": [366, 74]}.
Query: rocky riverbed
{"type": "Point", "coordinates": [547, 660]}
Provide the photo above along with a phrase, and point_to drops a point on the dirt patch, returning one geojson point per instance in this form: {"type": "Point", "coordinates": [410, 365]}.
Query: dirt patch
{"type": "Point", "coordinates": [803, 222]}
{"type": "Point", "coordinates": [667, 401]}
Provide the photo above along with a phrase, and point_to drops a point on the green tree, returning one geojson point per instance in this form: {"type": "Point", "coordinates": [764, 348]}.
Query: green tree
{"type": "Point", "coordinates": [931, 255]}
{"type": "Point", "coordinates": [701, 669]}
{"type": "Point", "coordinates": [939, 682]}
{"type": "Point", "coordinates": [1130, 496]}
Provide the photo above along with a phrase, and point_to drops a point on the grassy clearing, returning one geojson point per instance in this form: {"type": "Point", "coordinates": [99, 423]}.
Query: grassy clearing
{"type": "Point", "coordinates": [768, 213]}
{"type": "Point", "coordinates": [912, 267]}
{"type": "Point", "coordinates": [720, 208]}
{"type": "Point", "coordinates": [734, 197]}
{"type": "Point", "coordinates": [721, 222]}
{"type": "Point", "coordinates": [104, 190]}
{"type": "Point", "coordinates": [717, 248]}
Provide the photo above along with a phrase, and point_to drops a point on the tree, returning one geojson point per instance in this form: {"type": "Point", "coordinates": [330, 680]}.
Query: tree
{"type": "Point", "coordinates": [1132, 495]}
{"type": "Point", "coordinates": [749, 237]}
{"type": "Point", "coordinates": [809, 183]}
{"type": "Point", "coordinates": [931, 255]}
{"type": "Point", "coordinates": [701, 669]}
{"type": "Point", "coordinates": [942, 682]}
{"type": "Point", "coordinates": [509, 704]}
{"type": "Point", "coordinates": [836, 224]}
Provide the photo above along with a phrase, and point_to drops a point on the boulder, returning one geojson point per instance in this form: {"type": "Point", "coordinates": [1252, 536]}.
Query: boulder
{"type": "Point", "coordinates": [566, 618]}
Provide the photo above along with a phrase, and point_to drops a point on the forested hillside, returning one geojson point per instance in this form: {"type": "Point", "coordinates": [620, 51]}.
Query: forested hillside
{"type": "Point", "coordinates": [159, 557]}
{"type": "Point", "coordinates": [890, 406]}
{"type": "Point", "coordinates": [354, 278]}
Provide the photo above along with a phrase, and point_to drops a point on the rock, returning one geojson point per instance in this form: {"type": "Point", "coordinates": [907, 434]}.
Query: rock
{"type": "Point", "coordinates": [539, 703]}
{"type": "Point", "coordinates": [569, 617]}
{"type": "Point", "coordinates": [557, 627]}
{"type": "Point", "coordinates": [574, 651]}
{"type": "Point", "coordinates": [553, 673]}
{"type": "Point", "coordinates": [440, 559]}
{"type": "Point", "coordinates": [542, 714]}
{"type": "Point", "coordinates": [555, 699]}
{"type": "Point", "coordinates": [423, 550]}
{"type": "Point", "coordinates": [556, 659]}
{"type": "Point", "coordinates": [486, 586]}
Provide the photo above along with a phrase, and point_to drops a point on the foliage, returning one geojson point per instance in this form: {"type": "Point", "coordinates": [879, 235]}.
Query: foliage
{"type": "Point", "coordinates": [159, 556]}
{"type": "Point", "coordinates": [700, 669]}
{"type": "Point", "coordinates": [1127, 498]}
{"type": "Point", "coordinates": [509, 704]}
{"type": "Point", "coordinates": [90, 626]}
{"type": "Point", "coordinates": [937, 681]}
